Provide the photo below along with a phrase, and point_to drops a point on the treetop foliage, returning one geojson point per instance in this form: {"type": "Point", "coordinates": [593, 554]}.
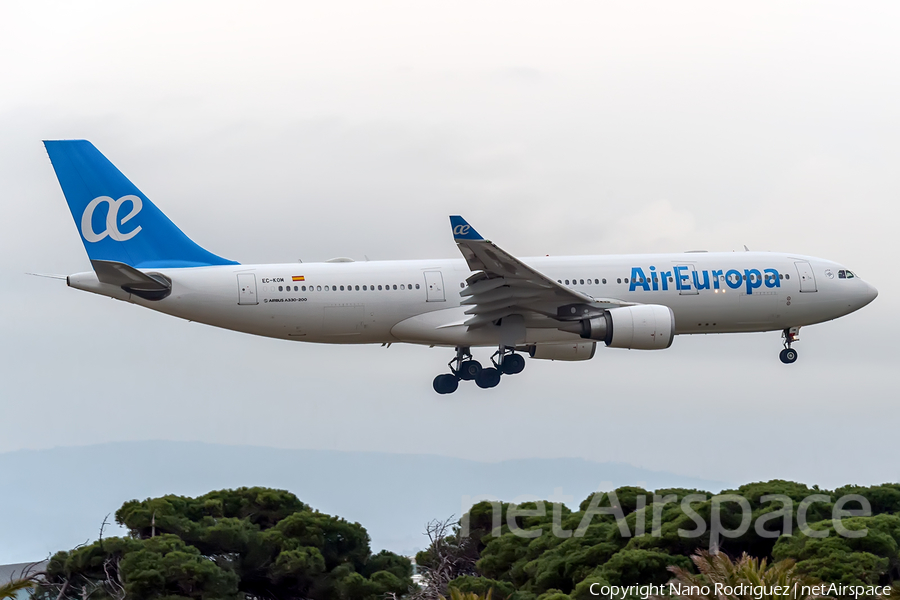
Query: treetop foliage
{"type": "Point", "coordinates": [259, 543]}
{"type": "Point", "coordinates": [244, 543]}
{"type": "Point", "coordinates": [644, 539]}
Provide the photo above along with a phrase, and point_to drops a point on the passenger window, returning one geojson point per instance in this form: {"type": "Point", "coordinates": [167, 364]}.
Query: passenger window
{"type": "Point", "coordinates": [604, 281]}
{"type": "Point", "coordinates": [409, 286]}
{"type": "Point", "coordinates": [318, 288]}
{"type": "Point", "coordinates": [626, 280]}
{"type": "Point", "coordinates": [395, 286]}
{"type": "Point", "coordinates": [597, 281]}
{"type": "Point", "coordinates": [342, 288]}
{"type": "Point", "coordinates": [787, 276]}
{"type": "Point", "coordinates": [303, 288]}
{"type": "Point", "coordinates": [357, 288]}
{"type": "Point", "coordinates": [581, 281]}
{"type": "Point", "coordinates": [619, 280]}
{"type": "Point", "coordinates": [379, 288]}
{"type": "Point", "coordinates": [365, 288]}
{"type": "Point", "coordinates": [567, 282]}
{"type": "Point", "coordinates": [559, 281]}
{"type": "Point", "coordinates": [417, 286]}
{"type": "Point", "coordinates": [402, 287]}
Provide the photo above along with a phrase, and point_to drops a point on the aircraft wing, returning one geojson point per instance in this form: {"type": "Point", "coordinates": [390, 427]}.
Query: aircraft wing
{"type": "Point", "coordinates": [503, 285]}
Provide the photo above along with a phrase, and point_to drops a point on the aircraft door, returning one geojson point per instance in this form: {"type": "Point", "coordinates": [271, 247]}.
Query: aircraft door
{"type": "Point", "coordinates": [687, 285]}
{"type": "Point", "coordinates": [807, 279]}
{"type": "Point", "coordinates": [247, 288]}
{"type": "Point", "coordinates": [434, 286]}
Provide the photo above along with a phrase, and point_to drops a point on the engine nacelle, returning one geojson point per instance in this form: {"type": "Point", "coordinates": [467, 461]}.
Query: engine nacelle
{"type": "Point", "coordinates": [641, 327]}
{"type": "Point", "coordinates": [570, 352]}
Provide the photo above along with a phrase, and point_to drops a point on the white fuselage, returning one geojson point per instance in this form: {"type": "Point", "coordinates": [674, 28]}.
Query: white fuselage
{"type": "Point", "coordinates": [419, 302]}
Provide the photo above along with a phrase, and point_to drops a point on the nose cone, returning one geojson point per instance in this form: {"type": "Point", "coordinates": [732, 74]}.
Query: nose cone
{"type": "Point", "coordinates": [868, 294]}
{"type": "Point", "coordinates": [871, 293]}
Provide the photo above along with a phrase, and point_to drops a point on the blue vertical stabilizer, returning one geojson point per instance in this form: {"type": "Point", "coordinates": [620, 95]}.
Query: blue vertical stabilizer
{"type": "Point", "coordinates": [116, 221]}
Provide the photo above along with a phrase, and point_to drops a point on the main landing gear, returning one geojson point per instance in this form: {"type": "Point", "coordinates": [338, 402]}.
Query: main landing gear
{"type": "Point", "coordinates": [466, 368]}
{"type": "Point", "coordinates": [790, 335]}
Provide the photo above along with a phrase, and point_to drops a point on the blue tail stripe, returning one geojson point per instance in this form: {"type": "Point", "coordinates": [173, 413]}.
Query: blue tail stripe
{"type": "Point", "coordinates": [115, 220]}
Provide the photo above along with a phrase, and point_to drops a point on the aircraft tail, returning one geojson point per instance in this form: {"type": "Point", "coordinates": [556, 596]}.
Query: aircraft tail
{"type": "Point", "coordinates": [116, 221]}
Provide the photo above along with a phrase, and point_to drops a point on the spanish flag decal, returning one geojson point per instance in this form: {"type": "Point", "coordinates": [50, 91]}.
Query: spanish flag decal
{"type": "Point", "coordinates": [298, 278]}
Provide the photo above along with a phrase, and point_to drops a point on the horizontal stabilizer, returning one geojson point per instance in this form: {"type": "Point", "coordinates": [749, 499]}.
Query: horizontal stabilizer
{"type": "Point", "coordinates": [148, 286]}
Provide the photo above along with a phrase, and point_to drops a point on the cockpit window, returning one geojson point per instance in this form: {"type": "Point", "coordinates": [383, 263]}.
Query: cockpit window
{"type": "Point", "coordinates": [845, 274]}
{"type": "Point", "coordinates": [850, 275]}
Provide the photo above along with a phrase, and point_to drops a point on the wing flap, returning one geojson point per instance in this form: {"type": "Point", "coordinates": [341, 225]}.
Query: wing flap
{"type": "Point", "coordinates": [501, 293]}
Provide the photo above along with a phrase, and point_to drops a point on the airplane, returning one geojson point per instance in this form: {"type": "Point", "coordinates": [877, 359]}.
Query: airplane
{"type": "Point", "coordinates": [548, 308]}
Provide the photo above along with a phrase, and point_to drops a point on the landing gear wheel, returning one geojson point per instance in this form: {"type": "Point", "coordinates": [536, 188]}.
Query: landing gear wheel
{"type": "Point", "coordinates": [469, 369]}
{"type": "Point", "coordinates": [788, 356]}
{"type": "Point", "coordinates": [445, 383]}
{"type": "Point", "coordinates": [488, 378]}
{"type": "Point", "coordinates": [512, 364]}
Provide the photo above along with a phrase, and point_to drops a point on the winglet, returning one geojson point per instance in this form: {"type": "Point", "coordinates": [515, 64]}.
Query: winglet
{"type": "Point", "coordinates": [462, 230]}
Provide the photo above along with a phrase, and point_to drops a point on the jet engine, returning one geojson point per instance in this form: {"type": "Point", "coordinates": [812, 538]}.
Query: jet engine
{"type": "Point", "coordinates": [641, 327]}
{"type": "Point", "coordinates": [569, 352]}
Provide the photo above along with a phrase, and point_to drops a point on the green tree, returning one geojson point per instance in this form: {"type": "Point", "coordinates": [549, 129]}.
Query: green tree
{"type": "Point", "coordinates": [865, 560]}
{"type": "Point", "coordinates": [482, 586]}
{"type": "Point", "coordinates": [607, 550]}
{"type": "Point", "coordinates": [251, 541]}
{"type": "Point", "coordinates": [636, 567]}
{"type": "Point", "coordinates": [458, 594]}
{"type": "Point", "coordinates": [884, 498]}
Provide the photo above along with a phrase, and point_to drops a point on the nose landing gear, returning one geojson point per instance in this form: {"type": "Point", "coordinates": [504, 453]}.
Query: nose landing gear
{"type": "Point", "coordinates": [789, 355]}
{"type": "Point", "coordinates": [466, 368]}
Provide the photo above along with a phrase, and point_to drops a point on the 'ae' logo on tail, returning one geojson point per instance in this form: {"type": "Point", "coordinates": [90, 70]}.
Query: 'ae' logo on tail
{"type": "Point", "coordinates": [112, 218]}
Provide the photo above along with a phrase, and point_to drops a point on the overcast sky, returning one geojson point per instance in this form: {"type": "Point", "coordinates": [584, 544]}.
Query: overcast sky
{"type": "Point", "coordinates": [272, 132]}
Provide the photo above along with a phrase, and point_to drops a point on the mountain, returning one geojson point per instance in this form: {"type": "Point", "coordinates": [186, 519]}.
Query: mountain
{"type": "Point", "coordinates": [58, 498]}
